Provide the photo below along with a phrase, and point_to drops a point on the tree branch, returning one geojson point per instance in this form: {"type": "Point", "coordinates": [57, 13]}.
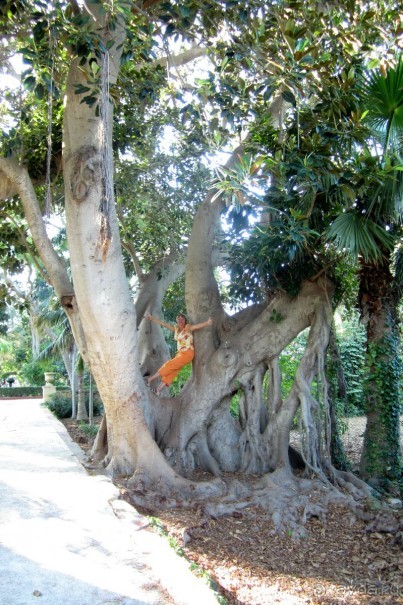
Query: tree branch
{"type": "Point", "coordinates": [55, 266]}
{"type": "Point", "coordinates": [29, 249]}
{"type": "Point", "coordinates": [175, 60]}
{"type": "Point", "coordinates": [18, 175]}
{"type": "Point", "coordinates": [128, 246]}
{"type": "Point", "coordinates": [202, 295]}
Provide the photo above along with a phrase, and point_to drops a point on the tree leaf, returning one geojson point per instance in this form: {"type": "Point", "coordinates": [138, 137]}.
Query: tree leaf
{"type": "Point", "coordinates": [289, 97]}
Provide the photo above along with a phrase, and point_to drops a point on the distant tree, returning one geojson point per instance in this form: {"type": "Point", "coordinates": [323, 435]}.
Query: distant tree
{"type": "Point", "coordinates": [52, 320]}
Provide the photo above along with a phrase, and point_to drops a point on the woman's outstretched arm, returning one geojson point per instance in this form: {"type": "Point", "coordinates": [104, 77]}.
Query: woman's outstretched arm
{"type": "Point", "coordinates": [161, 323]}
{"type": "Point", "coordinates": [204, 324]}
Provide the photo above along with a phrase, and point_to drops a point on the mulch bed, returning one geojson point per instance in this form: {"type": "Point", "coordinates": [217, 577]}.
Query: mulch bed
{"type": "Point", "coordinates": [338, 562]}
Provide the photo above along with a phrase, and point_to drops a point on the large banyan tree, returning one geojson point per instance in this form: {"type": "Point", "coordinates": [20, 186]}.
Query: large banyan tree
{"type": "Point", "coordinates": [156, 444]}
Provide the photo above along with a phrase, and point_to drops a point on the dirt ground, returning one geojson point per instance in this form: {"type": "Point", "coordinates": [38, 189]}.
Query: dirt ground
{"type": "Point", "coordinates": [337, 563]}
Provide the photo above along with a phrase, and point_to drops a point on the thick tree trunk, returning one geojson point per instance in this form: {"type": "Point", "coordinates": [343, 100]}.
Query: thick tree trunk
{"type": "Point", "coordinates": [101, 290]}
{"type": "Point", "coordinates": [55, 266]}
{"type": "Point", "coordinates": [378, 299]}
{"type": "Point", "coordinates": [236, 366]}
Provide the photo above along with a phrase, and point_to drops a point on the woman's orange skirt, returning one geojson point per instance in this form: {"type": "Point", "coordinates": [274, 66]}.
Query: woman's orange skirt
{"type": "Point", "coordinates": [171, 368]}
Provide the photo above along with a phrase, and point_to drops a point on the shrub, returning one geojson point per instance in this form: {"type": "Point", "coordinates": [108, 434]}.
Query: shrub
{"type": "Point", "coordinates": [59, 404]}
{"type": "Point", "coordinates": [96, 402]}
{"type": "Point", "coordinates": [6, 392]}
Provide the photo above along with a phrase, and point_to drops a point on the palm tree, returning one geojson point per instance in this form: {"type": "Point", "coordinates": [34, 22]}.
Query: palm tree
{"type": "Point", "coordinates": [371, 229]}
{"type": "Point", "coordinates": [54, 321]}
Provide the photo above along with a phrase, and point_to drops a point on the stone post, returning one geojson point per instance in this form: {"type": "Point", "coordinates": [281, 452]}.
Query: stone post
{"type": "Point", "coordinates": [49, 388]}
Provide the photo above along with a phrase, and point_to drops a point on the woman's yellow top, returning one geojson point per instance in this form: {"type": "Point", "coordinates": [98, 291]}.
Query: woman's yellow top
{"type": "Point", "coordinates": [184, 339]}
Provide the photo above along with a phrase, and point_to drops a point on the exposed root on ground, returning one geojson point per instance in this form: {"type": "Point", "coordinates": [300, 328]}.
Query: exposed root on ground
{"type": "Point", "coordinates": [291, 501]}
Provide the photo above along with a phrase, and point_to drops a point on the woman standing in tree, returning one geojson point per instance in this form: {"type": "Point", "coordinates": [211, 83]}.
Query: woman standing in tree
{"type": "Point", "coordinates": [183, 334]}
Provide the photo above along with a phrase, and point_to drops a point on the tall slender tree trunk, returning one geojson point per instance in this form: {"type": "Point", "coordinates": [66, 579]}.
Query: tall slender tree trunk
{"type": "Point", "coordinates": [35, 336]}
{"type": "Point", "coordinates": [337, 451]}
{"type": "Point", "coordinates": [378, 300]}
{"type": "Point", "coordinates": [81, 408]}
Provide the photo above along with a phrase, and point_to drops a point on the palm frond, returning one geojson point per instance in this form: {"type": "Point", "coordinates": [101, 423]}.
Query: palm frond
{"type": "Point", "coordinates": [384, 99]}
{"type": "Point", "coordinates": [360, 236]}
{"type": "Point", "coordinates": [385, 199]}
{"type": "Point", "coordinates": [63, 341]}
{"type": "Point", "coordinates": [48, 315]}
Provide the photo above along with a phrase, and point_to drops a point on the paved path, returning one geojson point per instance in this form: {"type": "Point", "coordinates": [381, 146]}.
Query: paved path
{"type": "Point", "coordinates": [61, 541]}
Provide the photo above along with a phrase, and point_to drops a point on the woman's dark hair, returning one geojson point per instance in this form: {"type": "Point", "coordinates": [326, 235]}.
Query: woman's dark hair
{"type": "Point", "coordinates": [184, 317]}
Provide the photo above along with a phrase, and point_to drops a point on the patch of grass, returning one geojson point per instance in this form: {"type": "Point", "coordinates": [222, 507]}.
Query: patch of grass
{"type": "Point", "coordinates": [89, 429]}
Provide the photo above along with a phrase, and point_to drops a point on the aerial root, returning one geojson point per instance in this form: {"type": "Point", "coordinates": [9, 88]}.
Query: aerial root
{"type": "Point", "coordinates": [355, 486]}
